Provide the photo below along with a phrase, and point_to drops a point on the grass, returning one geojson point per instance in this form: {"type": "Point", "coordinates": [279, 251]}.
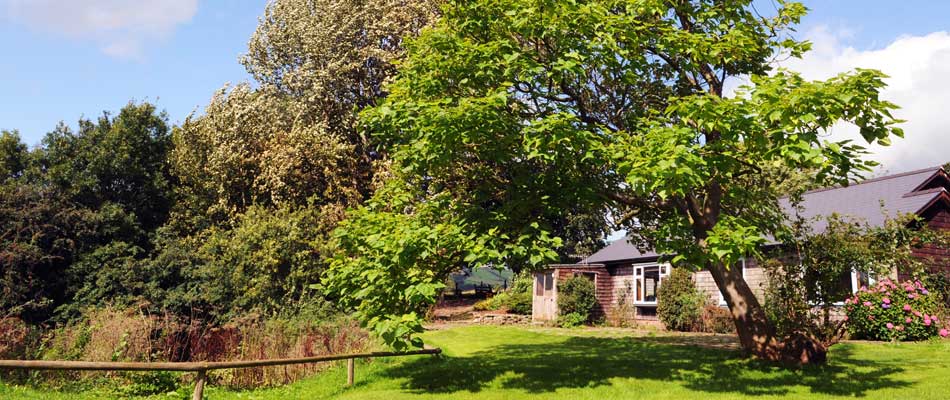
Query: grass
{"type": "Point", "coordinates": [483, 362]}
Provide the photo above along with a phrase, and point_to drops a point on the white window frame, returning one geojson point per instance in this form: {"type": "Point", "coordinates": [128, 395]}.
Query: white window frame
{"type": "Point", "coordinates": [722, 299]}
{"type": "Point", "coordinates": [854, 281]}
{"type": "Point", "coordinates": [854, 287]}
{"type": "Point", "coordinates": [661, 267]}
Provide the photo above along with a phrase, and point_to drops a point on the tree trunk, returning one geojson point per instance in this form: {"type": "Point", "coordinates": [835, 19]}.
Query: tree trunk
{"type": "Point", "coordinates": [756, 333]}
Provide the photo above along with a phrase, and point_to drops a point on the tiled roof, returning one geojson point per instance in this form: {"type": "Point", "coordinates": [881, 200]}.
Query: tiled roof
{"type": "Point", "coordinates": [872, 200]}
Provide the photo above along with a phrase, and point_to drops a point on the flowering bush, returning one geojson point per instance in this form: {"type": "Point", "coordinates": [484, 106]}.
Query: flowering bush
{"type": "Point", "coordinates": [894, 311]}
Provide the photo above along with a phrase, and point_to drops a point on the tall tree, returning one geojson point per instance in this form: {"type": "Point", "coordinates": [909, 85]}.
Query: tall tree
{"type": "Point", "coordinates": [511, 110]}
{"type": "Point", "coordinates": [14, 155]}
{"type": "Point", "coordinates": [118, 160]}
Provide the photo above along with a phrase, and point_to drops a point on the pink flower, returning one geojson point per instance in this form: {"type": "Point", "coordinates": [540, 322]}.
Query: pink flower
{"type": "Point", "coordinates": [944, 333]}
{"type": "Point", "coordinates": [899, 327]}
{"type": "Point", "coordinates": [845, 317]}
{"type": "Point", "coordinates": [927, 321]}
{"type": "Point", "coordinates": [911, 296]}
{"type": "Point", "coordinates": [906, 307]}
{"type": "Point", "coordinates": [907, 320]}
{"type": "Point", "coordinates": [886, 300]}
{"type": "Point", "coordinates": [867, 303]}
{"type": "Point", "coordinates": [890, 325]}
{"type": "Point", "coordinates": [917, 313]}
{"type": "Point", "coordinates": [924, 292]}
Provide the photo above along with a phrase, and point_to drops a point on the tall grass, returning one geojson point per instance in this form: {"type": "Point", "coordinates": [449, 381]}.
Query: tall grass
{"type": "Point", "coordinates": [131, 335]}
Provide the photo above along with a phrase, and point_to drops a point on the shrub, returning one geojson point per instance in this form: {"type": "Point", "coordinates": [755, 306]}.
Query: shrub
{"type": "Point", "coordinates": [520, 303]}
{"type": "Point", "coordinates": [939, 284]}
{"type": "Point", "coordinates": [515, 300]}
{"type": "Point", "coordinates": [148, 384]}
{"type": "Point", "coordinates": [893, 311]}
{"type": "Point", "coordinates": [571, 320]}
{"type": "Point", "coordinates": [679, 303]}
{"type": "Point", "coordinates": [717, 320]}
{"type": "Point", "coordinates": [576, 296]}
{"type": "Point", "coordinates": [624, 314]}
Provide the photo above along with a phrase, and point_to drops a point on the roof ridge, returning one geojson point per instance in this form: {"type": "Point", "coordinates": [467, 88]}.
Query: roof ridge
{"type": "Point", "coordinates": [878, 179]}
{"type": "Point", "coordinates": [925, 191]}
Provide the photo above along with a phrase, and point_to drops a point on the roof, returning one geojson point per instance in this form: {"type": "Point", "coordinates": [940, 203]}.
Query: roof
{"type": "Point", "coordinates": [618, 250]}
{"type": "Point", "coordinates": [873, 200]}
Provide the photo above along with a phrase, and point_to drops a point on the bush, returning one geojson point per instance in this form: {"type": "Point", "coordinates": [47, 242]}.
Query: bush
{"type": "Point", "coordinates": [576, 296]}
{"type": "Point", "coordinates": [148, 384]}
{"type": "Point", "coordinates": [624, 313]}
{"type": "Point", "coordinates": [515, 300]}
{"type": "Point", "coordinates": [893, 311]}
{"type": "Point", "coordinates": [571, 320]}
{"type": "Point", "coordinates": [679, 303]}
{"type": "Point", "coordinates": [717, 320]}
{"type": "Point", "coordinates": [939, 284]}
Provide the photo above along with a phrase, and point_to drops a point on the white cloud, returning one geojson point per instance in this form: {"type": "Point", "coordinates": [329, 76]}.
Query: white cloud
{"type": "Point", "coordinates": [120, 27]}
{"type": "Point", "coordinates": [919, 70]}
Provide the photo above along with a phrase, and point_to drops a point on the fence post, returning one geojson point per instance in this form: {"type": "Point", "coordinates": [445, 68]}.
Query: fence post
{"type": "Point", "coordinates": [199, 385]}
{"type": "Point", "coordinates": [350, 369]}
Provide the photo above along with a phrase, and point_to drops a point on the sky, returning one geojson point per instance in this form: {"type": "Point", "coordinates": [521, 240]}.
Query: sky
{"type": "Point", "coordinates": [66, 59]}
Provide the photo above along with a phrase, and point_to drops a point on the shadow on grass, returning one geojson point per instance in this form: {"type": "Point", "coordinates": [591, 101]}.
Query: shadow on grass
{"type": "Point", "coordinates": [579, 362]}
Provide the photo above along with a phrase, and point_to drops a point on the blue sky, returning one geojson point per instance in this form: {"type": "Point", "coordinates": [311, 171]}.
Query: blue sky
{"type": "Point", "coordinates": [66, 59]}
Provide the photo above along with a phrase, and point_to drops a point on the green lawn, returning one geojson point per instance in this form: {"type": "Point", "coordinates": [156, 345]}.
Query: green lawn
{"type": "Point", "coordinates": [483, 362]}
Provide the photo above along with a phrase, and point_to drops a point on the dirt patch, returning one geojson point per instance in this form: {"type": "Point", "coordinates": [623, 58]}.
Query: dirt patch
{"type": "Point", "coordinates": [454, 309]}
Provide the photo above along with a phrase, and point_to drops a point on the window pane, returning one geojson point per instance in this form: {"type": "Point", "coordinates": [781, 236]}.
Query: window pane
{"type": "Point", "coordinates": [651, 279]}
{"type": "Point", "coordinates": [539, 285]}
{"type": "Point", "coordinates": [863, 280]}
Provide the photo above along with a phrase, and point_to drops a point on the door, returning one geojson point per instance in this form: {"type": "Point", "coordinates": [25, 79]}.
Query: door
{"type": "Point", "coordinates": [544, 301]}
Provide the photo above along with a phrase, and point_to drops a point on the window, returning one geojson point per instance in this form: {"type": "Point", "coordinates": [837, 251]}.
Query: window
{"type": "Point", "coordinates": [722, 300]}
{"type": "Point", "coordinates": [846, 284]}
{"type": "Point", "coordinates": [861, 279]}
{"type": "Point", "coordinates": [646, 280]}
{"type": "Point", "coordinates": [543, 282]}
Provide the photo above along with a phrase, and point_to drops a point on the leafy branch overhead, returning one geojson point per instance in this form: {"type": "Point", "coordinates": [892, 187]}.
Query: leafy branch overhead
{"type": "Point", "coordinates": [513, 113]}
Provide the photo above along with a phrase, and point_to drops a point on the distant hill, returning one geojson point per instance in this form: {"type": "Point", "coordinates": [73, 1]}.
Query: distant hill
{"type": "Point", "coordinates": [489, 276]}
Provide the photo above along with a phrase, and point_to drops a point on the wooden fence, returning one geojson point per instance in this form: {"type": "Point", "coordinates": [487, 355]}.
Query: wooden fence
{"type": "Point", "coordinates": [202, 368]}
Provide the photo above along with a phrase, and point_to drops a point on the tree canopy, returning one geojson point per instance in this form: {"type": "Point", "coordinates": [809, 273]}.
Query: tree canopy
{"type": "Point", "coordinates": [510, 114]}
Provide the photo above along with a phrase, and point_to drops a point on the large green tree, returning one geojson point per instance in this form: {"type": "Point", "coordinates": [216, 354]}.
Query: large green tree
{"type": "Point", "coordinates": [14, 155]}
{"type": "Point", "coordinates": [509, 111]}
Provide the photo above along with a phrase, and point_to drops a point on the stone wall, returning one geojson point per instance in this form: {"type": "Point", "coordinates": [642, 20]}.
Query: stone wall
{"type": "Point", "coordinates": [501, 319]}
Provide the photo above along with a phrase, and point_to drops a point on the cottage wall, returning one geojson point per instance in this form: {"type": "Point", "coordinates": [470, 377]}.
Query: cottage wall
{"type": "Point", "coordinates": [755, 277]}
{"type": "Point", "coordinates": [935, 259]}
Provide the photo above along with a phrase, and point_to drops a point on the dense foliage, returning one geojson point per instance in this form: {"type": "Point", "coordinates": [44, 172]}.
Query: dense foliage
{"type": "Point", "coordinates": [576, 299]}
{"type": "Point", "coordinates": [679, 303]}
{"type": "Point", "coordinates": [81, 204]}
{"type": "Point", "coordinates": [225, 216]}
{"type": "Point", "coordinates": [894, 311]}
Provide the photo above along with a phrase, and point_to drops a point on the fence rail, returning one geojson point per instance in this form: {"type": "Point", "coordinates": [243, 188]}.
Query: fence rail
{"type": "Point", "coordinates": [201, 368]}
